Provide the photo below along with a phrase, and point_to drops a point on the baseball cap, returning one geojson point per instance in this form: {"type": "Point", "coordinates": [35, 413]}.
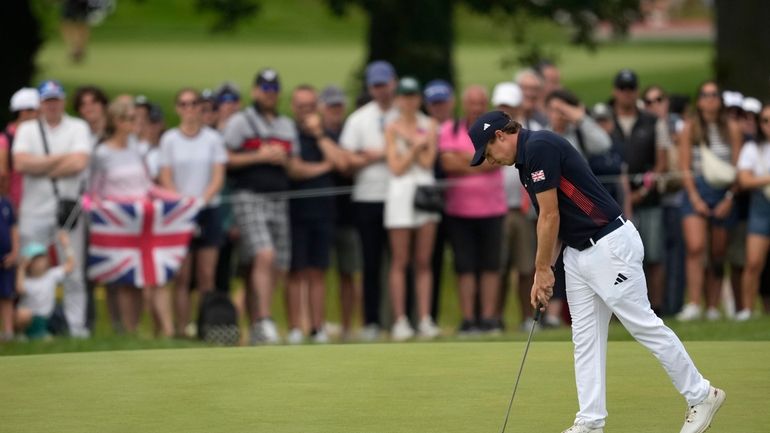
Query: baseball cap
{"type": "Point", "coordinates": [507, 93]}
{"type": "Point", "coordinates": [408, 86]}
{"type": "Point", "coordinates": [34, 249]}
{"type": "Point", "coordinates": [601, 111]}
{"type": "Point", "coordinates": [438, 91]}
{"type": "Point", "coordinates": [332, 95]}
{"type": "Point", "coordinates": [268, 79]}
{"type": "Point", "coordinates": [142, 101]}
{"type": "Point", "coordinates": [482, 131]}
{"type": "Point", "coordinates": [379, 72]}
{"type": "Point", "coordinates": [732, 99]}
{"type": "Point", "coordinates": [207, 95]}
{"type": "Point", "coordinates": [752, 105]}
{"type": "Point", "coordinates": [25, 98]}
{"type": "Point", "coordinates": [154, 113]}
{"type": "Point", "coordinates": [50, 89]}
{"type": "Point", "coordinates": [626, 79]}
{"type": "Point", "coordinates": [228, 92]}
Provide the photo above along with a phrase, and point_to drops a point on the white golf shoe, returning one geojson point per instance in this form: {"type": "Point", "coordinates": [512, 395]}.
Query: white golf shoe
{"type": "Point", "coordinates": [401, 330]}
{"type": "Point", "coordinates": [577, 428]}
{"type": "Point", "coordinates": [699, 417]}
{"type": "Point", "coordinates": [689, 313]}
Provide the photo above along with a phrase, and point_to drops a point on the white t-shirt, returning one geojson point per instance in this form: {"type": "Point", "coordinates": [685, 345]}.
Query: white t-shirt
{"type": "Point", "coordinates": [72, 135]}
{"type": "Point", "coordinates": [151, 158]}
{"type": "Point", "coordinates": [119, 173]}
{"type": "Point", "coordinates": [365, 130]}
{"type": "Point", "coordinates": [191, 159]}
{"type": "Point", "coordinates": [40, 293]}
{"type": "Point", "coordinates": [755, 158]}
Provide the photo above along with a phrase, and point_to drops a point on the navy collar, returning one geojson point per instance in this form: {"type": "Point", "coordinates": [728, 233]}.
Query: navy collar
{"type": "Point", "coordinates": [520, 142]}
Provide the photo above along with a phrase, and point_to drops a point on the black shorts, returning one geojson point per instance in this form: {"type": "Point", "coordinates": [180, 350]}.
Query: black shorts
{"type": "Point", "coordinates": [209, 233]}
{"type": "Point", "coordinates": [311, 243]}
{"type": "Point", "coordinates": [76, 10]}
{"type": "Point", "coordinates": [477, 243]}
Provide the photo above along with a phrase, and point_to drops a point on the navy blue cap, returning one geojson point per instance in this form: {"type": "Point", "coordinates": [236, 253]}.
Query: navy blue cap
{"type": "Point", "coordinates": [437, 91]}
{"type": "Point", "coordinates": [379, 72]}
{"type": "Point", "coordinates": [482, 131]}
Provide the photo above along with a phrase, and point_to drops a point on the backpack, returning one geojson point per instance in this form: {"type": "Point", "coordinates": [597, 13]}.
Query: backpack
{"type": "Point", "coordinates": [218, 320]}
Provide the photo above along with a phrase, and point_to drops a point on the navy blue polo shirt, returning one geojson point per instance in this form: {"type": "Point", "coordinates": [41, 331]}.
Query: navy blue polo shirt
{"type": "Point", "coordinates": [546, 161]}
{"type": "Point", "coordinates": [7, 221]}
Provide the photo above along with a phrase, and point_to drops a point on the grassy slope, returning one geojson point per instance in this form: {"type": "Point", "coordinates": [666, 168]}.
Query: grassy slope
{"type": "Point", "coordinates": [364, 388]}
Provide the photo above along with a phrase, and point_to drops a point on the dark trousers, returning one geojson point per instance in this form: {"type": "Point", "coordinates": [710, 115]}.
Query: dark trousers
{"type": "Point", "coordinates": [225, 268]}
{"type": "Point", "coordinates": [674, 264]}
{"type": "Point", "coordinates": [369, 222]}
{"type": "Point", "coordinates": [438, 267]}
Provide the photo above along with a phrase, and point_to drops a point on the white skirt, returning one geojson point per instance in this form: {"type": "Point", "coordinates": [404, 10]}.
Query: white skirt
{"type": "Point", "coordinates": [400, 212]}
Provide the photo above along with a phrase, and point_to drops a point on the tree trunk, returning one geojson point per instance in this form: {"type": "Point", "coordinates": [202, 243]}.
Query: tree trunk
{"type": "Point", "coordinates": [417, 37]}
{"type": "Point", "coordinates": [20, 31]}
{"type": "Point", "coordinates": [742, 46]}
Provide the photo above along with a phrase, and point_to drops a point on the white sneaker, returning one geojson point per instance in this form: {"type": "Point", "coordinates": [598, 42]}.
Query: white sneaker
{"type": "Point", "coordinates": [80, 333]}
{"type": "Point", "coordinates": [270, 332]}
{"type": "Point", "coordinates": [295, 336]}
{"type": "Point", "coordinates": [369, 333]}
{"type": "Point", "coordinates": [698, 418]}
{"type": "Point", "coordinates": [712, 314]}
{"type": "Point", "coordinates": [582, 429]}
{"type": "Point", "coordinates": [401, 330]}
{"type": "Point", "coordinates": [320, 337]}
{"type": "Point", "coordinates": [427, 329]}
{"type": "Point", "coordinates": [689, 313]}
{"type": "Point", "coordinates": [743, 315]}
{"type": "Point", "coordinates": [526, 325]}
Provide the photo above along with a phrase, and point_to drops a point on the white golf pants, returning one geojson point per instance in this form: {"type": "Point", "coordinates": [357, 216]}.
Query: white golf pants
{"type": "Point", "coordinates": [608, 279]}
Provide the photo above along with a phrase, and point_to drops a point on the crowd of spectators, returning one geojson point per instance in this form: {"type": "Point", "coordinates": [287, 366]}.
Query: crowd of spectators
{"type": "Point", "coordinates": [380, 190]}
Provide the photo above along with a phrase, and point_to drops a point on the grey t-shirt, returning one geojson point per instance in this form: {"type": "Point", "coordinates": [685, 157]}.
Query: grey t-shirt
{"type": "Point", "coordinates": [192, 159]}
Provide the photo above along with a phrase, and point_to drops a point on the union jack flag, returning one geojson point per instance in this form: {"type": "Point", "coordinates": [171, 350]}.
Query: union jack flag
{"type": "Point", "coordinates": [140, 243]}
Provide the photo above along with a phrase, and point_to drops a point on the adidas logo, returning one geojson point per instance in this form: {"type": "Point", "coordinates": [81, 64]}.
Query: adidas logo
{"type": "Point", "coordinates": [619, 279]}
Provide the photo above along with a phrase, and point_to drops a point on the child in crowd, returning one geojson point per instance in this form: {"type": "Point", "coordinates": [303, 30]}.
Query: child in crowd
{"type": "Point", "coordinates": [9, 251]}
{"type": "Point", "coordinates": [36, 283]}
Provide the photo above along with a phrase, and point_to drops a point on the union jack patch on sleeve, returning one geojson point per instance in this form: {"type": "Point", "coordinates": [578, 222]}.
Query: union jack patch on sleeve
{"type": "Point", "coordinates": [538, 176]}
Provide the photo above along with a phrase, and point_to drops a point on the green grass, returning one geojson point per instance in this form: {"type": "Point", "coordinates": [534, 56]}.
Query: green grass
{"type": "Point", "coordinates": [421, 388]}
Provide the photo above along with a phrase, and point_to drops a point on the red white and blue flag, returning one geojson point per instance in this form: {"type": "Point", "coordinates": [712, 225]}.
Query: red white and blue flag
{"type": "Point", "coordinates": [140, 243]}
{"type": "Point", "coordinates": [538, 176]}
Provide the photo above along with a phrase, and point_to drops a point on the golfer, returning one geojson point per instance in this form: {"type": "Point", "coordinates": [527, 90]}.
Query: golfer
{"type": "Point", "coordinates": [603, 266]}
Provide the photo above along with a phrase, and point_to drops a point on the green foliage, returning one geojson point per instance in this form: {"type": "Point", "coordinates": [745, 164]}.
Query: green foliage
{"type": "Point", "coordinates": [228, 12]}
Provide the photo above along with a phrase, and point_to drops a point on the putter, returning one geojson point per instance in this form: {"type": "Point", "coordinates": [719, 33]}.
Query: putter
{"type": "Point", "coordinates": [524, 358]}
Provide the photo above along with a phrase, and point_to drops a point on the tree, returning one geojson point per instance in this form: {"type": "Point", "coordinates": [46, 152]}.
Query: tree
{"type": "Point", "coordinates": [742, 45]}
{"type": "Point", "coordinates": [20, 29]}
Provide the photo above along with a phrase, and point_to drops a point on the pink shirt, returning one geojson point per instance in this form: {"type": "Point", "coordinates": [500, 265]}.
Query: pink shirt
{"type": "Point", "coordinates": [15, 179]}
{"type": "Point", "coordinates": [476, 195]}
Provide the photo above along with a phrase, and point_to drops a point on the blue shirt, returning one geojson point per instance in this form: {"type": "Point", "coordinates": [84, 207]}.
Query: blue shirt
{"type": "Point", "coordinates": [7, 221]}
{"type": "Point", "coordinates": [546, 161]}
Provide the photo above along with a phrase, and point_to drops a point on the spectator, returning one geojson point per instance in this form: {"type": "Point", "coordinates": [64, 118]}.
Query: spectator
{"type": "Point", "coordinates": [9, 252]}
{"type": "Point", "coordinates": [53, 153]}
{"type": "Point", "coordinates": [617, 182]}
{"type": "Point", "coordinates": [410, 152]}
{"type": "Point", "coordinates": [118, 173]}
{"type": "Point", "coordinates": [364, 136]}
{"type": "Point", "coordinates": [192, 163]}
{"type": "Point", "coordinates": [475, 209]}
{"type": "Point", "coordinates": [261, 143]}
{"type": "Point", "coordinates": [347, 245]}
{"type": "Point", "coordinates": [150, 145]}
{"type": "Point", "coordinates": [707, 209]}
{"type": "Point", "coordinates": [656, 102]}
{"type": "Point", "coordinates": [439, 100]}
{"type": "Point", "coordinates": [25, 104]}
{"type": "Point", "coordinates": [228, 102]}
{"type": "Point", "coordinates": [312, 219]}
{"type": "Point", "coordinates": [440, 104]}
{"type": "Point", "coordinates": [754, 175]}
{"type": "Point", "coordinates": [519, 228]}
{"type": "Point", "coordinates": [533, 99]}
{"type": "Point", "coordinates": [551, 76]}
{"type": "Point", "coordinates": [751, 120]}
{"type": "Point", "coordinates": [90, 103]}
{"type": "Point", "coordinates": [36, 282]}
{"type": "Point", "coordinates": [208, 108]}
{"type": "Point", "coordinates": [645, 142]}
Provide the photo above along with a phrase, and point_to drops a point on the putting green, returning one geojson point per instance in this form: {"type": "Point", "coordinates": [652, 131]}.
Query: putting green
{"type": "Point", "coordinates": [388, 388]}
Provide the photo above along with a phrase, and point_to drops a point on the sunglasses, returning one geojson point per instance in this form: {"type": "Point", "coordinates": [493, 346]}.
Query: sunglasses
{"type": "Point", "coordinates": [185, 104]}
{"type": "Point", "coordinates": [709, 94]}
{"type": "Point", "coordinates": [129, 118]}
{"type": "Point", "coordinates": [270, 87]}
{"type": "Point", "coordinates": [657, 100]}
{"type": "Point", "coordinates": [626, 88]}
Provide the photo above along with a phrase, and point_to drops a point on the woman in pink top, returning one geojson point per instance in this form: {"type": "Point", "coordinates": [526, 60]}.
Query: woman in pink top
{"type": "Point", "coordinates": [475, 209]}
